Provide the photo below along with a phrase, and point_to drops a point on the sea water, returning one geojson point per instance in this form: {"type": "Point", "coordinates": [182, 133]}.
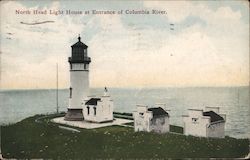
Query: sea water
{"type": "Point", "coordinates": [16, 105]}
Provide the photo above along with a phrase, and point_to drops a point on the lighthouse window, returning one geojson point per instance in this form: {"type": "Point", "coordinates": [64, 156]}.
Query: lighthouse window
{"type": "Point", "coordinates": [84, 66]}
{"type": "Point", "coordinates": [94, 110]}
{"type": "Point", "coordinates": [70, 92]}
{"type": "Point", "coordinates": [88, 109]}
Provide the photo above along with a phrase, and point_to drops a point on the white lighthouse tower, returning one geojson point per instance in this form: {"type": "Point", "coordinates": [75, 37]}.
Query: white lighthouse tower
{"type": "Point", "coordinates": [79, 80]}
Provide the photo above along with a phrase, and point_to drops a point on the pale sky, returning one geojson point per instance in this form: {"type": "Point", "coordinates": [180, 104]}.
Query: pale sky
{"type": "Point", "coordinates": [209, 45]}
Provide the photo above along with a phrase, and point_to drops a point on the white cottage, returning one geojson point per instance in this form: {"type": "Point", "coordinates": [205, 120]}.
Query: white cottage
{"type": "Point", "coordinates": [151, 119]}
{"type": "Point", "coordinates": [208, 123]}
{"type": "Point", "coordinates": [99, 109]}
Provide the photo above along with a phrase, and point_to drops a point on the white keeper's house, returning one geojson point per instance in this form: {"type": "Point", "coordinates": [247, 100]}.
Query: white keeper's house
{"type": "Point", "coordinates": [99, 109]}
{"type": "Point", "coordinates": [208, 123]}
{"type": "Point", "coordinates": [151, 119]}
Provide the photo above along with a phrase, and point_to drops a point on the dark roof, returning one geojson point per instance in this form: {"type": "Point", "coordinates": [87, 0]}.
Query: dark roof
{"type": "Point", "coordinates": [158, 111]}
{"type": "Point", "coordinates": [214, 116]}
{"type": "Point", "coordinates": [92, 101]}
{"type": "Point", "coordinates": [79, 44]}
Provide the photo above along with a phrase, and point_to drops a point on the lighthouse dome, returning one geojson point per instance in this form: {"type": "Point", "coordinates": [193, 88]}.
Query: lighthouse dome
{"type": "Point", "coordinates": [79, 44]}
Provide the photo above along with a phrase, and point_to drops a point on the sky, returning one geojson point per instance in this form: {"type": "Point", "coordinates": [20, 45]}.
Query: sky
{"type": "Point", "coordinates": [208, 45]}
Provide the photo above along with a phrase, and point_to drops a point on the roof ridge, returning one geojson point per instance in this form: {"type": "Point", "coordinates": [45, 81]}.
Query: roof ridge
{"type": "Point", "coordinates": [92, 101]}
{"type": "Point", "coordinates": [214, 117]}
{"type": "Point", "coordinates": [158, 111]}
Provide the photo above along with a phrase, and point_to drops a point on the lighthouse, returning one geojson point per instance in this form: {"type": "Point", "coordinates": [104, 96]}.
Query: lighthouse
{"type": "Point", "coordinates": [79, 80]}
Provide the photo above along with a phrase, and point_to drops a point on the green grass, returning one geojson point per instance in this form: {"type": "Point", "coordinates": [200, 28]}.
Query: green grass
{"type": "Point", "coordinates": [27, 139]}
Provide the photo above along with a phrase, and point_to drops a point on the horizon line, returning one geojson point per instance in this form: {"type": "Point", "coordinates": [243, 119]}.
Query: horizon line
{"type": "Point", "coordinates": [162, 87]}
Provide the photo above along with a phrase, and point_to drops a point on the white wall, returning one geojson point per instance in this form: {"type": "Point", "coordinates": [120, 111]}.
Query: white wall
{"type": "Point", "coordinates": [141, 122]}
{"type": "Point", "coordinates": [198, 127]}
{"type": "Point", "coordinates": [106, 109]}
{"type": "Point", "coordinates": [90, 116]}
{"type": "Point", "coordinates": [160, 125]}
{"type": "Point", "coordinates": [216, 130]}
{"type": "Point", "coordinates": [79, 82]}
{"type": "Point", "coordinates": [142, 119]}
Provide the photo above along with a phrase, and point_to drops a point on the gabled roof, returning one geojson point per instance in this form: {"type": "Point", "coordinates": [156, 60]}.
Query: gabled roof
{"type": "Point", "coordinates": [158, 111]}
{"type": "Point", "coordinates": [214, 116]}
{"type": "Point", "coordinates": [92, 101]}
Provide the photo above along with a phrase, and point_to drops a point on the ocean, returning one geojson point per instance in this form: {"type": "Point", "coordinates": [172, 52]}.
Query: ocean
{"type": "Point", "coordinates": [16, 105]}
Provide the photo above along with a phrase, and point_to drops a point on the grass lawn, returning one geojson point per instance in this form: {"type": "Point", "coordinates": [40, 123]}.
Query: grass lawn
{"type": "Point", "coordinates": [28, 139]}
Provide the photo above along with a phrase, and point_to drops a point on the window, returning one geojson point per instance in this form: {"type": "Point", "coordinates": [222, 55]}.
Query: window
{"type": "Point", "coordinates": [141, 114]}
{"type": "Point", "coordinates": [153, 121]}
{"type": "Point", "coordinates": [84, 66]}
{"type": "Point", "coordinates": [94, 110]}
{"type": "Point", "coordinates": [194, 120]}
{"type": "Point", "coordinates": [88, 109]}
{"type": "Point", "coordinates": [70, 92]}
{"type": "Point", "coordinates": [162, 121]}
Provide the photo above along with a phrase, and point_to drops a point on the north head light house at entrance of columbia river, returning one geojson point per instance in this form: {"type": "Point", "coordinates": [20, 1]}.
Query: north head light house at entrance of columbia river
{"type": "Point", "coordinates": [79, 80]}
